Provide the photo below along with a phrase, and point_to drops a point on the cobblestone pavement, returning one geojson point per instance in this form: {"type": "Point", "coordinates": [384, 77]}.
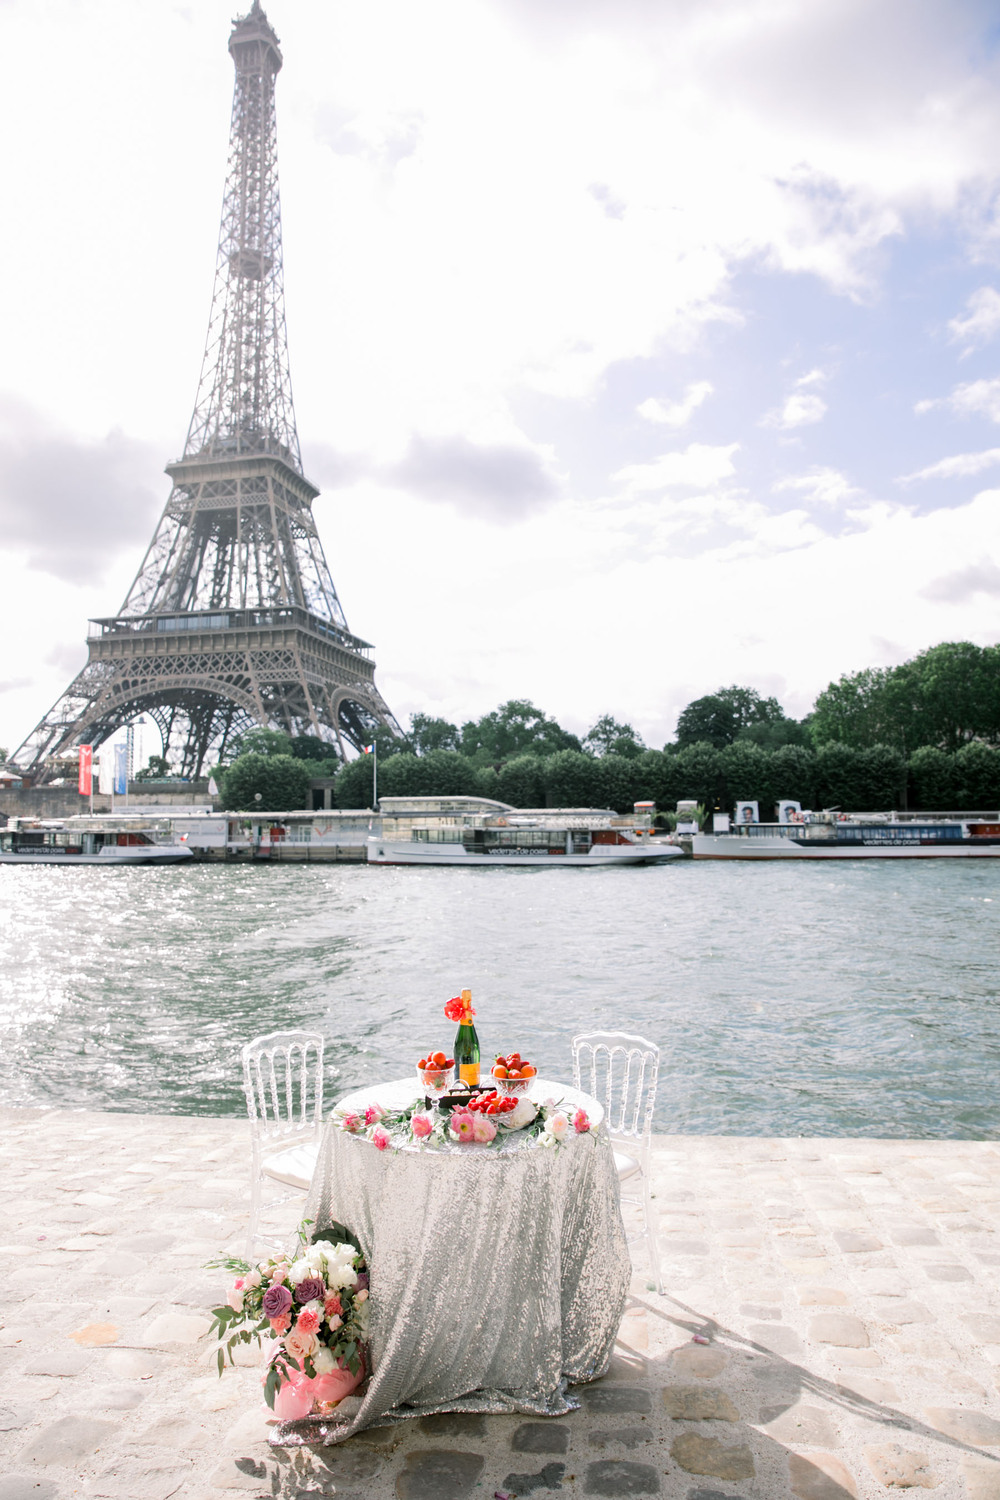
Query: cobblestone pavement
{"type": "Point", "coordinates": [845, 1291]}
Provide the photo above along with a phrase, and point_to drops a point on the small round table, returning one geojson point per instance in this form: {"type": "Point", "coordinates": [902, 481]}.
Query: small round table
{"type": "Point", "coordinates": [498, 1274]}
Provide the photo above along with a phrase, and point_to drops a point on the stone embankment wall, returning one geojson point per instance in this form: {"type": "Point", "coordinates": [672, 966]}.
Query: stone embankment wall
{"type": "Point", "coordinates": [66, 802]}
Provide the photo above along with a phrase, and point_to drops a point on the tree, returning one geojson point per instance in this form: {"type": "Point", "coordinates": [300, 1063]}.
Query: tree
{"type": "Point", "coordinates": [311, 747]}
{"type": "Point", "coordinates": [520, 781]}
{"type": "Point", "coordinates": [440, 773]}
{"type": "Point", "coordinates": [772, 734]}
{"type": "Point", "coordinates": [157, 768]}
{"type": "Point", "coordinates": [353, 786]}
{"type": "Point", "coordinates": [515, 728]}
{"type": "Point", "coordinates": [261, 741]}
{"type": "Point", "coordinates": [977, 777]}
{"type": "Point", "coordinates": [932, 779]}
{"type": "Point", "coordinates": [608, 737]}
{"type": "Point", "coordinates": [571, 779]}
{"type": "Point", "coordinates": [719, 717]}
{"type": "Point", "coordinates": [281, 781]}
{"type": "Point", "coordinates": [427, 734]}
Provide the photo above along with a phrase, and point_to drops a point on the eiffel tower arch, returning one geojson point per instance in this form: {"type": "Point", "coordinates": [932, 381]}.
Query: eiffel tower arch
{"type": "Point", "coordinates": [232, 619]}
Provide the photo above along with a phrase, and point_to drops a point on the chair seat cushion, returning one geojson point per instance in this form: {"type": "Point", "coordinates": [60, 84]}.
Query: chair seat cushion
{"type": "Point", "coordinates": [625, 1166]}
{"type": "Point", "coordinates": [295, 1166]}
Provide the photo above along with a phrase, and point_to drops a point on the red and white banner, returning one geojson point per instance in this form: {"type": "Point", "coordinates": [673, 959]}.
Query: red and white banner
{"type": "Point", "coordinates": [86, 766]}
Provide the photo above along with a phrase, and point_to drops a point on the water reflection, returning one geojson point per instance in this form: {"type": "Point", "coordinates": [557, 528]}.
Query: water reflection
{"type": "Point", "coordinates": [787, 1000]}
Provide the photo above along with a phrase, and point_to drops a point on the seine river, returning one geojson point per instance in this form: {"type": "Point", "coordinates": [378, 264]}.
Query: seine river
{"type": "Point", "coordinates": [855, 999]}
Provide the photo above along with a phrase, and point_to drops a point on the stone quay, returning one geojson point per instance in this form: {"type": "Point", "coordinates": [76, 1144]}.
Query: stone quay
{"type": "Point", "coordinates": [830, 1329]}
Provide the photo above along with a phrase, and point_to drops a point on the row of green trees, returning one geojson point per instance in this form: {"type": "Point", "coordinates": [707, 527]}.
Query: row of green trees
{"type": "Point", "coordinates": [835, 775]}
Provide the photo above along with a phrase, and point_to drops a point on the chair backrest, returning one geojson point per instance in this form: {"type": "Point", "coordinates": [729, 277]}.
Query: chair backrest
{"type": "Point", "coordinates": [283, 1079]}
{"type": "Point", "coordinates": [621, 1071]}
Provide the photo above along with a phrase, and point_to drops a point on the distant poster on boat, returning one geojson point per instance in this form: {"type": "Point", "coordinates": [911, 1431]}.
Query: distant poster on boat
{"type": "Point", "coordinates": [121, 770]}
{"type": "Point", "coordinates": [86, 770]}
{"type": "Point", "coordinates": [747, 812]}
{"type": "Point", "coordinates": [789, 812]}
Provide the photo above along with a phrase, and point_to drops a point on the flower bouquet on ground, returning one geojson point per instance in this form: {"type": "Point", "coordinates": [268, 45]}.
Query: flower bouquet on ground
{"type": "Point", "coordinates": [314, 1305]}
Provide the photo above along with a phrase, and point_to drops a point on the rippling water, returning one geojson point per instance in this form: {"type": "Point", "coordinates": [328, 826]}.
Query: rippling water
{"type": "Point", "coordinates": [857, 999]}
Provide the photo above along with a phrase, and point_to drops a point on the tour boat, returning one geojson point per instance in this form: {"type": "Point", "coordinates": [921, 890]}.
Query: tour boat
{"type": "Point", "coordinates": [89, 841]}
{"type": "Point", "coordinates": [533, 840]}
{"type": "Point", "coordinates": [836, 836]}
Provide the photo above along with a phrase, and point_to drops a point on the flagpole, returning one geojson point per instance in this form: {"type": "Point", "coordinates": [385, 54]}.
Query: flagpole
{"type": "Point", "coordinates": [374, 776]}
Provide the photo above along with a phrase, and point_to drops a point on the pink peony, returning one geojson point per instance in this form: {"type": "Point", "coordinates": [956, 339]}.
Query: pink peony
{"type": "Point", "coordinates": [301, 1345]}
{"type": "Point", "coordinates": [380, 1138]}
{"type": "Point", "coordinates": [350, 1122]}
{"type": "Point", "coordinates": [422, 1126]}
{"type": "Point", "coordinates": [581, 1121]}
{"type": "Point", "coordinates": [373, 1114]}
{"type": "Point", "coordinates": [331, 1306]}
{"type": "Point", "coordinates": [483, 1128]}
{"type": "Point", "coordinates": [280, 1325]}
{"type": "Point", "coordinates": [463, 1125]}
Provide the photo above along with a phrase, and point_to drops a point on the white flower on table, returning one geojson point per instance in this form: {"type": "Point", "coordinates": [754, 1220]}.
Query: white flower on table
{"type": "Point", "coordinates": [555, 1130]}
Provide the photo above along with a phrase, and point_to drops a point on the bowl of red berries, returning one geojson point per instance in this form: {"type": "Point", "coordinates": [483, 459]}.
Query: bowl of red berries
{"type": "Point", "coordinates": [490, 1102]}
{"type": "Point", "coordinates": [513, 1075]}
{"type": "Point", "coordinates": [434, 1072]}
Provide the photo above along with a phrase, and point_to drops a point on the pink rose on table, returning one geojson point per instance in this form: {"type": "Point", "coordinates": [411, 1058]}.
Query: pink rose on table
{"type": "Point", "coordinates": [308, 1321]}
{"type": "Point", "coordinates": [277, 1301]}
{"type": "Point", "coordinates": [558, 1124]}
{"type": "Point", "coordinates": [235, 1298]}
{"type": "Point", "coordinates": [350, 1122]}
{"type": "Point", "coordinates": [422, 1126]}
{"type": "Point", "coordinates": [301, 1345]}
{"type": "Point", "coordinates": [483, 1128]}
{"type": "Point", "coordinates": [380, 1138]}
{"type": "Point", "coordinates": [581, 1121]}
{"type": "Point", "coordinates": [280, 1325]}
{"type": "Point", "coordinates": [463, 1125]}
{"type": "Point", "coordinates": [373, 1114]}
{"type": "Point", "coordinates": [332, 1306]}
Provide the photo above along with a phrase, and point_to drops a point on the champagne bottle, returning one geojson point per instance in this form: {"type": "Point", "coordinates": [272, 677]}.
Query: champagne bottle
{"type": "Point", "coordinates": [467, 1044]}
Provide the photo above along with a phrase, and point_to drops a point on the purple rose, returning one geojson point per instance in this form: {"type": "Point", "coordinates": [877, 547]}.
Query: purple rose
{"type": "Point", "coordinates": [362, 1278]}
{"type": "Point", "coordinates": [277, 1301]}
{"type": "Point", "coordinates": [313, 1288]}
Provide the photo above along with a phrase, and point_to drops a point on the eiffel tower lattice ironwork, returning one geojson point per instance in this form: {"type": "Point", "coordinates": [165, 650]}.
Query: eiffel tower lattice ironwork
{"type": "Point", "coordinates": [233, 619]}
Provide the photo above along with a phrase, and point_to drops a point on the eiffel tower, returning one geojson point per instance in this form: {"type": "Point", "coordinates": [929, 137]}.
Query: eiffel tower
{"type": "Point", "coordinates": [232, 620]}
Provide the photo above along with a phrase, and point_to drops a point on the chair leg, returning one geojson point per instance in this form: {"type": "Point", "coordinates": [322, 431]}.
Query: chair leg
{"type": "Point", "coordinates": [649, 1224]}
{"type": "Point", "coordinates": [255, 1197]}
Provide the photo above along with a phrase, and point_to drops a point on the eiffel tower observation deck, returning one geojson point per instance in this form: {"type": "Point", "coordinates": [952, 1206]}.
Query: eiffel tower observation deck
{"type": "Point", "coordinates": [232, 620]}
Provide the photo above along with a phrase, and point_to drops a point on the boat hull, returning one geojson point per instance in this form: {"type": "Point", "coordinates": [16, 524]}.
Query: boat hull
{"type": "Point", "coordinates": [109, 859]}
{"type": "Point", "coordinates": [726, 846]}
{"type": "Point", "coordinates": [389, 852]}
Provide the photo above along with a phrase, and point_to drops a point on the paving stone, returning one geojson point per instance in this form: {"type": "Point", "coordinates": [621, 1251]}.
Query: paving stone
{"type": "Point", "coordinates": [982, 1477]}
{"type": "Point", "coordinates": [175, 1431]}
{"type": "Point", "coordinates": [548, 1478]}
{"type": "Point", "coordinates": [753, 1310]}
{"type": "Point", "coordinates": [605, 1399]}
{"type": "Point", "coordinates": [856, 1244]}
{"type": "Point", "coordinates": [822, 1296]}
{"type": "Point", "coordinates": [692, 1403]}
{"type": "Point", "coordinates": [915, 1236]}
{"type": "Point", "coordinates": [966, 1426]}
{"type": "Point", "coordinates": [706, 1455]}
{"type": "Point", "coordinates": [780, 1339]}
{"type": "Point", "coordinates": [115, 1397]}
{"type": "Point", "coordinates": [132, 1364]}
{"type": "Point", "coordinates": [893, 1310]}
{"type": "Point", "coordinates": [629, 1437]}
{"type": "Point", "coordinates": [840, 1329]}
{"type": "Point", "coordinates": [119, 1265]}
{"type": "Point", "coordinates": [26, 1487]}
{"type": "Point", "coordinates": [807, 1426]}
{"type": "Point", "coordinates": [985, 1327]}
{"type": "Point", "coordinates": [438, 1474]}
{"type": "Point", "coordinates": [820, 1476]}
{"type": "Point", "coordinates": [454, 1424]}
{"type": "Point", "coordinates": [63, 1363]}
{"type": "Point", "coordinates": [93, 1335]}
{"type": "Point", "coordinates": [702, 1494]}
{"type": "Point", "coordinates": [13, 1417]}
{"type": "Point", "coordinates": [540, 1437]}
{"type": "Point", "coordinates": [176, 1328]}
{"type": "Point", "coordinates": [949, 1273]}
{"type": "Point", "coordinates": [68, 1441]}
{"type": "Point", "coordinates": [613, 1477]}
{"type": "Point", "coordinates": [700, 1360]}
{"type": "Point", "coordinates": [901, 1468]}
{"type": "Point", "coordinates": [883, 1392]}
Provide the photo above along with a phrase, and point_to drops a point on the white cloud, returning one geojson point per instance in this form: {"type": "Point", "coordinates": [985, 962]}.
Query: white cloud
{"type": "Point", "coordinates": [699, 464]}
{"type": "Point", "coordinates": [676, 413]}
{"type": "Point", "coordinates": [981, 323]}
{"type": "Point", "coordinates": [800, 409]}
{"type": "Point", "coordinates": [975, 398]}
{"type": "Point", "coordinates": [958, 466]}
{"type": "Point", "coordinates": [823, 486]}
{"type": "Point", "coordinates": [961, 586]}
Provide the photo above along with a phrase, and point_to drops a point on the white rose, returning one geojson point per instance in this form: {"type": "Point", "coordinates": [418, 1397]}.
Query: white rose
{"type": "Point", "coordinates": [340, 1276]}
{"type": "Point", "coordinates": [324, 1361]}
{"type": "Point", "coordinates": [516, 1119]}
{"type": "Point", "coordinates": [299, 1270]}
{"type": "Point", "coordinates": [315, 1306]}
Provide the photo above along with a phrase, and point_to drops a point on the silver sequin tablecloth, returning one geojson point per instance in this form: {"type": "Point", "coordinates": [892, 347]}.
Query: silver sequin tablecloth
{"type": "Point", "coordinates": [497, 1276]}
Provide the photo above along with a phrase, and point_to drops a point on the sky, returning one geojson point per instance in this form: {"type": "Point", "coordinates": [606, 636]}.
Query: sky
{"type": "Point", "coordinates": [638, 347]}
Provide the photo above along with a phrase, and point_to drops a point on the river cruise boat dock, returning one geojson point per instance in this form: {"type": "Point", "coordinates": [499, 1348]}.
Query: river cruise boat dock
{"type": "Point", "coordinates": [835, 835]}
